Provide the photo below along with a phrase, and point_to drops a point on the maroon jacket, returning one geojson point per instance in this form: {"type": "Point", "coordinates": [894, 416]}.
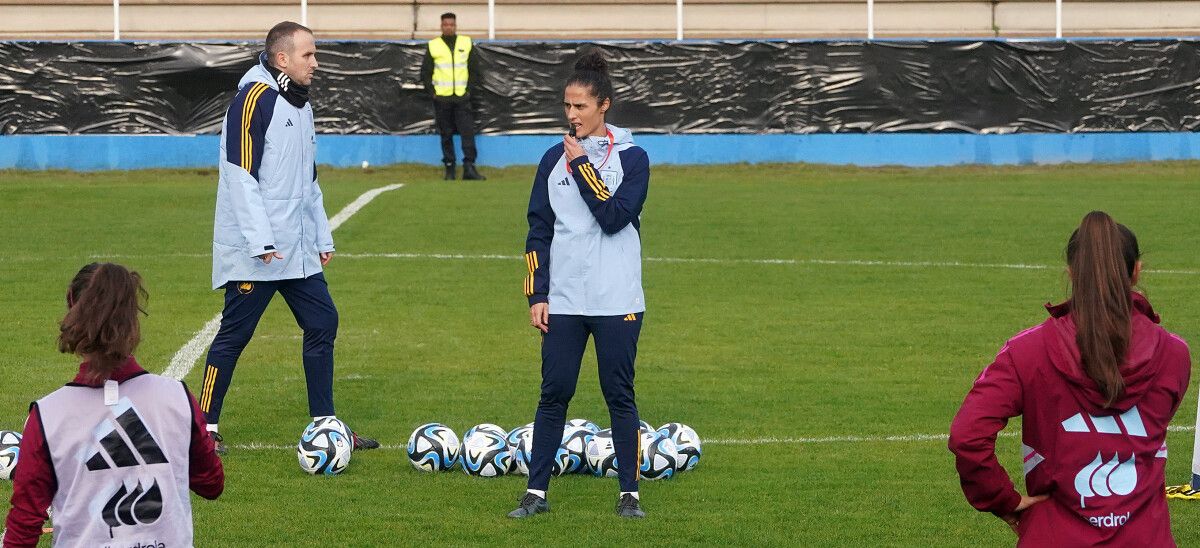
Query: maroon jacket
{"type": "Point", "coordinates": [34, 481]}
{"type": "Point", "coordinates": [1102, 467]}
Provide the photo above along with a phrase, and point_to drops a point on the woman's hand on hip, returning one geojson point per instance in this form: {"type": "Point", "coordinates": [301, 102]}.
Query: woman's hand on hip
{"type": "Point", "coordinates": [1014, 519]}
{"type": "Point", "coordinates": [539, 317]}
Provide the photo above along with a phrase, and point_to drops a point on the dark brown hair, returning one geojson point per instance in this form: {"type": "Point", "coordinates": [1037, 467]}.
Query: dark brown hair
{"type": "Point", "coordinates": [103, 303]}
{"type": "Point", "coordinates": [591, 72]}
{"type": "Point", "coordinates": [1102, 256]}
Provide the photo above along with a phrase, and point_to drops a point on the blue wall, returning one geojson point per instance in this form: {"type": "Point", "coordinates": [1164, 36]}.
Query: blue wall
{"type": "Point", "coordinates": [99, 152]}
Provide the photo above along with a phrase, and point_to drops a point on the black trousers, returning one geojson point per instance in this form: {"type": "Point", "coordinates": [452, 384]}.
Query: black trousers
{"type": "Point", "coordinates": [455, 117]}
{"type": "Point", "coordinates": [245, 303]}
{"type": "Point", "coordinates": [616, 339]}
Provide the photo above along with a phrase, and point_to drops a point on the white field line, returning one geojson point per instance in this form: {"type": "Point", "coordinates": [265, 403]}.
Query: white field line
{"type": "Point", "coordinates": [183, 360]}
{"type": "Point", "coordinates": [684, 260]}
{"type": "Point", "coordinates": [752, 441]}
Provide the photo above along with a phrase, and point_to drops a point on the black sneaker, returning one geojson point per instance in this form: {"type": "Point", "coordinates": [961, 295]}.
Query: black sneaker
{"type": "Point", "coordinates": [449, 176]}
{"type": "Point", "coordinates": [628, 507]}
{"type": "Point", "coordinates": [218, 442]}
{"type": "Point", "coordinates": [363, 443]}
{"type": "Point", "coordinates": [530, 505]}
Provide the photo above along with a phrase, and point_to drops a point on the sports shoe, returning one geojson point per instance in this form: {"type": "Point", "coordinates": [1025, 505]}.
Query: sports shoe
{"type": "Point", "coordinates": [218, 442]}
{"type": "Point", "coordinates": [530, 505]}
{"type": "Point", "coordinates": [361, 442]}
{"type": "Point", "coordinates": [449, 176]}
{"type": "Point", "coordinates": [1183, 492]}
{"type": "Point", "coordinates": [629, 507]}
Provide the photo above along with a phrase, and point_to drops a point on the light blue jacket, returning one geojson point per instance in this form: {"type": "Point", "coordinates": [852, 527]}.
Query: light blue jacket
{"type": "Point", "coordinates": [268, 198]}
{"type": "Point", "coordinates": [584, 247]}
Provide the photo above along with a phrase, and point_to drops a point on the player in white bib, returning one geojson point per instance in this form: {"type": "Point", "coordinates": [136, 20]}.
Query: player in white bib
{"type": "Point", "coordinates": [114, 452]}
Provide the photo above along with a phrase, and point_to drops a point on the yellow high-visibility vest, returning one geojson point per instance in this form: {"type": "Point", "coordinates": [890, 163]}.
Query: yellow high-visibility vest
{"type": "Point", "coordinates": [450, 67]}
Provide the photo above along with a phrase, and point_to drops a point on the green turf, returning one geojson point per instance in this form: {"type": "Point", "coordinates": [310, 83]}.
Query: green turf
{"type": "Point", "coordinates": [738, 350]}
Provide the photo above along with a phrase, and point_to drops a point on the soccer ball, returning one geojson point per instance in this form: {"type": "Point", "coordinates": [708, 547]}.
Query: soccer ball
{"type": "Point", "coordinates": [10, 449]}
{"type": "Point", "coordinates": [660, 458]}
{"type": "Point", "coordinates": [571, 456]}
{"type": "Point", "coordinates": [645, 427]}
{"type": "Point", "coordinates": [522, 453]}
{"type": "Point", "coordinates": [513, 438]}
{"type": "Point", "coordinates": [515, 434]}
{"type": "Point", "coordinates": [686, 442]}
{"type": "Point", "coordinates": [601, 455]}
{"type": "Point", "coordinates": [485, 453]}
{"type": "Point", "coordinates": [433, 447]}
{"type": "Point", "coordinates": [325, 447]}
{"type": "Point", "coordinates": [485, 427]}
{"type": "Point", "coordinates": [584, 423]}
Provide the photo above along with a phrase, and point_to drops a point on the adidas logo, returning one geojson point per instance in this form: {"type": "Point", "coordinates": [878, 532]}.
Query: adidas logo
{"type": "Point", "coordinates": [289, 123]}
{"type": "Point", "coordinates": [565, 182]}
{"type": "Point", "coordinates": [1130, 420]}
{"type": "Point", "coordinates": [123, 451]}
{"type": "Point", "coordinates": [132, 507]}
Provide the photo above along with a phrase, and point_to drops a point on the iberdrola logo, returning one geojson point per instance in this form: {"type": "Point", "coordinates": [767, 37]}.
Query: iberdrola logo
{"type": "Point", "coordinates": [1102, 478]}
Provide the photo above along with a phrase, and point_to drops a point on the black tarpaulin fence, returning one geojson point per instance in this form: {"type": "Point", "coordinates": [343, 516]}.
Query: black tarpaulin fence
{"type": "Point", "coordinates": [1037, 86]}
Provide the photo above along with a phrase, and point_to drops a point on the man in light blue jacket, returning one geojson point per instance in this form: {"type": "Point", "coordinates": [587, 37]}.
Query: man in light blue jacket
{"type": "Point", "coordinates": [271, 233]}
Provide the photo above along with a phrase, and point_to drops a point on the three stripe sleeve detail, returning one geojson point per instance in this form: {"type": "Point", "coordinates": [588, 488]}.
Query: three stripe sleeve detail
{"type": "Point", "coordinates": [256, 90]}
{"type": "Point", "coordinates": [531, 263]}
{"type": "Point", "coordinates": [589, 176]}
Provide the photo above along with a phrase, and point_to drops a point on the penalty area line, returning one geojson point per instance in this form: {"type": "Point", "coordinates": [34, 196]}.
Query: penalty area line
{"type": "Point", "coordinates": [184, 359]}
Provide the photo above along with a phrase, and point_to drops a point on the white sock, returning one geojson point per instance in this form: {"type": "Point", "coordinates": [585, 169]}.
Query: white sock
{"type": "Point", "coordinates": [212, 428]}
{"type": "Point", "coordinates": [634, 493]}
{"type": "Point", "coordinates": [538, 493]}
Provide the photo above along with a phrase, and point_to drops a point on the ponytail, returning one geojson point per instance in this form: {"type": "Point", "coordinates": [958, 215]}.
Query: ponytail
{"type": "Point", "coordinates": [591, 72]}
{"type": "Point", "coordinates": [101, 324]}
{"type": "Point", "coordinates": [1102, 256]}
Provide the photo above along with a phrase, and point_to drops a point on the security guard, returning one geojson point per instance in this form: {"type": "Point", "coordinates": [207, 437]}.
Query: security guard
{"type": "Point", "coordinates": [449, 72]}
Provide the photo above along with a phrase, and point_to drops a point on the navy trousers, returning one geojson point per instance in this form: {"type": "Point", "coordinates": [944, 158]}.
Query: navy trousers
{"type": "Point", "coordinates": [245, 303]}
{"type": "Point", "coordinates": [616, 339]}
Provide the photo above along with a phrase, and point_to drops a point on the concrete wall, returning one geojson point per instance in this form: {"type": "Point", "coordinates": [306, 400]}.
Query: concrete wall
{"type": "Point", "coordinates": [588, 19]}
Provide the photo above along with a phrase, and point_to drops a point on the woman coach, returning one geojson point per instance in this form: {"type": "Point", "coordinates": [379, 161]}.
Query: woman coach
{"type": "Point", "coordinates": [583, 253]}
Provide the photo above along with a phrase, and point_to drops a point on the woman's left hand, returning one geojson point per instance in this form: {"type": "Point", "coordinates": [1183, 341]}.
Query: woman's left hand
{"type": "Point", "coordinates": [1014, 519]}
{"type": "Point", "coordinates": [571, 148]}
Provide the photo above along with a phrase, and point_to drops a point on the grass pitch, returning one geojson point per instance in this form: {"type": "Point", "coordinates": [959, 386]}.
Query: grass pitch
{"type": "Point", "coordinates": [820, 381]}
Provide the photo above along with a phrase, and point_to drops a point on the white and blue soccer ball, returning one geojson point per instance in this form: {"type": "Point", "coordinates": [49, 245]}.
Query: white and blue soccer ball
{"type": "Point", "coordinates": [687, 443]}
{"type": "Point", "coordinates": [485, 427]}
{"type": "Point", "coordinates": [601, 455]}
{"type": "Point", "coordinates": [584, 423]}
{"type": "Point", "coordinates": [10, 450]}
{"type": "Point", "coordinates": [325, 447]}
{"type": "Point", "coordinates": [485, 453]}
{"type": "Point", "coordinates": [513, 438]}
{"type": "Point", "coordinates": [571, 457]}
{"type": "Point", "coordinates": [433, 447]}
{"type": "Point", "coordinates": [522, 452]}
{"type": "Point", "coordinates": [645, 427]}
{"type": "Point", "coordinates": [659, 457]}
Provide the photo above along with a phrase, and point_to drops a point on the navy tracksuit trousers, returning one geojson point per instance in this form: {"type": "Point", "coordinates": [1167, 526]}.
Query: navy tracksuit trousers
{"type": "Point", "coordinates": [245, 303]}
{"type": "Point", "coordinates": [616, 340]}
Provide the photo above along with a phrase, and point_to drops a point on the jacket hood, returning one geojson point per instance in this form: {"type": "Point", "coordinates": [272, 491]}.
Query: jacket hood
{"type": "Point", "coordinates": [258, 73]}
{"type": "Point", "coordinates": [598, 146]}
{"type": "Point", "coordinates": [1141, 366]}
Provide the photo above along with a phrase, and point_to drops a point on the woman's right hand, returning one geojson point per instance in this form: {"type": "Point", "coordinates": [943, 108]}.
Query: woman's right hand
{"type": "Point", "coordinates": [1014, 519]}
{"type": "Point", "coordinates": [539, 317]}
